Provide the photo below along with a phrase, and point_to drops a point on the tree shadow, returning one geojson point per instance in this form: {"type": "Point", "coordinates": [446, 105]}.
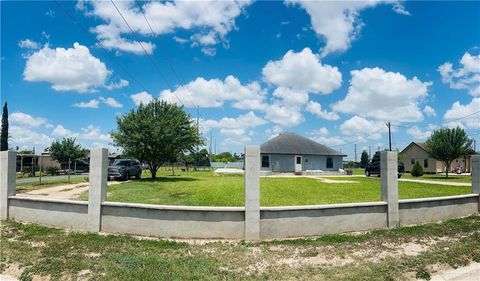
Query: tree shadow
{"type": "Point", "coordinates": [168, 179]}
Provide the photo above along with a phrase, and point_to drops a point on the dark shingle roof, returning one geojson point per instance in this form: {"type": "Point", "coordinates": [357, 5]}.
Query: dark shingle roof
{"type": "Point", "coordinates": [291, 143]}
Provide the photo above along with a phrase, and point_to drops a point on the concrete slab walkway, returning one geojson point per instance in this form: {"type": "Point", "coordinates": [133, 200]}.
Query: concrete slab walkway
{"type": "Point", "coordinates": [64, 192]}
{"type": "Point", "coordinates": [437, 182]}
{"type": "Point", "coordinates": [467, 273]}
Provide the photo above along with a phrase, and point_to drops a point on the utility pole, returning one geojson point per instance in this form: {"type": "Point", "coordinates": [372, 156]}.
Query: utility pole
{"type": "Point", "coordinates": [389, 136]}
{"type": "Point", "coordinates": [198, 133]}
{"type": "Point", "coordinates": [369, 152]}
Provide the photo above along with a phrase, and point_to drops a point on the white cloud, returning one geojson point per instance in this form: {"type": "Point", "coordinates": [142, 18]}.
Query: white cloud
{"type": "Point", "coordinates": [214, 92]}
{"type": "Point", "coordinates": [284, 115]}
{"type": "Point", "coordinates": [290, 97]}
{"type": "Point", "coordinates": [110, 102]}
{"type": "Point", "coordinates": [383, 95]}
{"type": "Point", "coordinates": [465, 77]}
{"type": "Point", "coordinates": [361, 128]}
{"type": "Point", "coordinates": [27, 120]}
{"type": "Point", "coordinates": [210, 21]}
{"type": "Point", "coordinates": [316, 109]}
{"type": "Point", "coordinates": [400, 9]}
{"type": "Point", "coordinates": [273, 131]}
{"type": "Point", "coordinates": [209, 51]}
{"type": "Point", "coordinates": [303, 71]}
{"type": "Point", "coordinates": [60, 131]}
{"type": "Point", "coordinates": [459, 110]}
{"type": "Point", "coordinates": [23, 136]}
{"type": "Point", "coordinates": [336, 21]}
{"type": "Point", "coordinates": [180, 40]}
{"type": "Point", "coordinates": [418, 134]}
{"type": "Point", "coordinates": [28, 44]}
{"type": "Point", "coordinates": [118, 85]}
{"type": "Point", "coordinates": [142, 97]}
{"type": "Point", "coordinates": [73, 69]}
{"type": "Point", "coordinates": [429, 111]}
{"type": "Point", "coordinates": [323, 136]}
{"type": "Point", "coordinates": [93, 103]}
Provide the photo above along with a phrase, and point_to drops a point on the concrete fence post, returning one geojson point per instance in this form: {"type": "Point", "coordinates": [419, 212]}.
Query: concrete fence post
{"type": "Point", "coordinates": [389, 185]}
{"type": "Point", "coordinates": [252, 192]}
{"type": "Point", "coordinates": [476, 176]}
{"type": "Point", "coordinates": [97, 192]}
{"type": "Point", "coordinates": [7, 180]}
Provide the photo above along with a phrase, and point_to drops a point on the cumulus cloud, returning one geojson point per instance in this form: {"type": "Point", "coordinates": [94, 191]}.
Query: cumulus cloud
{"type": "Point", "coordinates": [142, 97]}
{"type": "Point", "coordinates": [338, 21]}
{"type": "Point", "coordinates": [27, 120]}
{"type": "Point", "coordinates": [93, 103]}
{"type": "Point", "coordinates": [110, 102]}
{"type": "Point", "coordinates": [416, 133]}
{"type": "Point", "coordinates": [89, 133]}
{"type": "Point", "coordinates": [362, 129]}
{"type": "Point", "coordinates": [284, 115]}
{"type": "Point", "coordinates": [28, 44]}
{"type": "Point", "coordinates": [73, 69]}
{"type": "Point", "coordinates": [60, 131]}
{"type": "Point", "coordinates": [117, 85]}
{"type": "Point", "coordinates": [210, 21]}
{"type": "Point", "coordinates": [315, 108]}
{"type": "Point", "coordinates": [290, 97]}
{"type": "Point", "coordinates": [323, 136]}
{"type": "Point", "coordinates": [23, 136]}
{"type": "Point", "coordinates": [429, 111]}
{"type": "Point", "coordinates": [304, 72]}
{"type": "Point", "coordinates": [383, 95]}
{"type": "Point", "coordinates": [458, 110]}
{"type": "Point", "coordinates": [214, 92]}
{"type": "Point", "coordinates": [465, 77]}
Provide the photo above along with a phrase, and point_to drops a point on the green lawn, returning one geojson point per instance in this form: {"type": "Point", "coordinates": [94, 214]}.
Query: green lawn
{"type": "Point", "coordinates": [205, 189]}
{"type": "Point", "coordinates": [45, 253]}
{"type": "Point", "coordinates": [440, 177]}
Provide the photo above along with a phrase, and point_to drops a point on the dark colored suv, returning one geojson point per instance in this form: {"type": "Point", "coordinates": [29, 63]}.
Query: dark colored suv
{"type": "Point", "coordinates": [373, 168]}
{"type": "Point", "coordinates": [124, 169]}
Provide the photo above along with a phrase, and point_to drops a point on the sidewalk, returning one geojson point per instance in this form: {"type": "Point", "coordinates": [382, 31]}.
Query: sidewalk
{"type": "Point", "coordinates": [438, 182]}
{"type": "Point", "coordinates": [467, 273]}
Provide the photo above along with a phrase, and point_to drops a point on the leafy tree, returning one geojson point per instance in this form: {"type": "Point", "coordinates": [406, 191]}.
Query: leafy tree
{"type": "Point", "coordinates": [156, 133]}
{"type": "Point", "coordinates": [4, 133]}
{"type": "Point", "coordinates": [226, 157]}
{"type": "Point", "coordinates": [66, 150]}
{"type": "Point", "coordinates": [201, 158]}
{"type": "Point", "coordinates": [364, 159]}
{"type": "Point", "coordinates": [417, 170]}
{"type": "Point", "coordinates": [447, 144]}
{"type": "Point", "coordinates": [188, 159]}
{"type": "Point", "coordinates": [25, 151]}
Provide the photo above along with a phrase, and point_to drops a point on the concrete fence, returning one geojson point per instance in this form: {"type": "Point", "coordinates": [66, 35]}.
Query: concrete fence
{"type": "Point", "coordinates": [250, 222]}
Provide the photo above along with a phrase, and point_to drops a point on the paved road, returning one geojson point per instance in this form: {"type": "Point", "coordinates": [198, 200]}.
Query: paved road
{"type": "Point", "coordinates": [51, 178]}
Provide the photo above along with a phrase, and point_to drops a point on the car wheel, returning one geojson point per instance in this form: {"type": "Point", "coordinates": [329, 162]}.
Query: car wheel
{"type": "Point", "coordinates": [139, 175]}
{"type": "Point", "coordinates": [367, 173]}
{"type": "Point", "coordinates": [127, 176]}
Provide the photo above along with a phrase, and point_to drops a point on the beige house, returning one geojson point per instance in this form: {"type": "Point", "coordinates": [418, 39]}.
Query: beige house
{"type": "Point", "coordinates": [416, 151]}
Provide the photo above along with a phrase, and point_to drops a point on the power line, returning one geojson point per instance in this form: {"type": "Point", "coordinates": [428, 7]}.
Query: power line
{"type": "Point", "coordinates": [352, 142]}
{"type": "Point", "coordinates": [79, 24]}
{"type": "Point", "coordinates": [149, 56]}
{"type": "Point", "coordinates": [177, 76]}
{"type": "Point", "coordinates": [444, 123]}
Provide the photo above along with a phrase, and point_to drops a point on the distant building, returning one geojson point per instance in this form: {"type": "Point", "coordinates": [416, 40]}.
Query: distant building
{"type": "Point", "coordinates": [289, 152]}
{"type": "Point", "coordinates": [416, 151]}
{"type": "Point", "coordinates": [26, 161]}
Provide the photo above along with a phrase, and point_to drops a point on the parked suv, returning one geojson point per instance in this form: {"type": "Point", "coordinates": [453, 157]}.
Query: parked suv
{"type": "Point", "coordinates": [373, 168]}
{"type": "Point", "coordinates": [124, 169]}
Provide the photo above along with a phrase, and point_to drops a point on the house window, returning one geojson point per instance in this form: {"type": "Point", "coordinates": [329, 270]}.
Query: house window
{"type": "Point", "coordinates": [329, 162]}
{"type": "Point", "coordinates": [299, 160]}
{"type": "Point", "coordinates": [265, 161]}
{"type": "Point", "coordinates": [425, 163]}
{"type": "Point", "coordinates": [413, 161]}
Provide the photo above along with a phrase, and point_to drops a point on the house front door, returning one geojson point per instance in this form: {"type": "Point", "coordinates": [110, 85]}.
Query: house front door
{"type": "Point", "coordinates": [298, 163]}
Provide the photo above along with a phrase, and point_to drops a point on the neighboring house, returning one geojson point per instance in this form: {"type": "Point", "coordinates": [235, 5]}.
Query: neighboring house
{"type": "Point", "coordinates": [26, 161]}
{"type": "Point", "coordinates": [416, 151]}
{"type": "Point", "coordinates": [289, 152]}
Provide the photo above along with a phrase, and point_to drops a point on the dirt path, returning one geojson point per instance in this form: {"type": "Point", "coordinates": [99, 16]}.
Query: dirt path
{"type": "Point", "coordinates": [438, 182]}
{"type": "Point", "coordinates": [65, 192]}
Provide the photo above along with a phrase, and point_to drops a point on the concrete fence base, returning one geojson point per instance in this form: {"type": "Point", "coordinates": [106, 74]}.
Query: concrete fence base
{"type": "Point", "coordinates": [251, 222]}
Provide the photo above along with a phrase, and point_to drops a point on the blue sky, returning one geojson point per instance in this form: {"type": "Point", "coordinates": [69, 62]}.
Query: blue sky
{"type": "Point", "coordinates": [332, 71]}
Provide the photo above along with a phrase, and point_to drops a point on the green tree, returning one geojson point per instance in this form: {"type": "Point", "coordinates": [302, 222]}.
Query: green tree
{"type": "Point", "coordinates": [188, 159]}
{"type": "Point", "coordinates": [66, 150]}
{"type": "Point", "coordinates": [447, 144]}
{"type": "Point", "coordinates": [224, 157]}
{"type": "Point", "coordinates": [4, 133]}
{"type": "Point", "coordinates": [156, 133]}
{"type": "Point", "coordinates": [417, 170]}
{"type": "Point", "coordinates": [364, 159]}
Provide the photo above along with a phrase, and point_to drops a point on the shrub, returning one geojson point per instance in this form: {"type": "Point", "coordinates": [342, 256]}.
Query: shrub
{"type": "Point", "coordinates": [51, 170]}
{"type": "Point", "coordinates": [417, 170]}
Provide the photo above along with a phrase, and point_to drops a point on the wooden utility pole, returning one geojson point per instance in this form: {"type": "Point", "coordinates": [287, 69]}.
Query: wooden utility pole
{"type": "Point", "coordinates": [355, 153]}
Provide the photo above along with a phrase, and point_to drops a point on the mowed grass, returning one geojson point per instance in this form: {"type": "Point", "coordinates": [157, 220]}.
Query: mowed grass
{"type": "Point", "coordinates": [440, 177]}
{"type": "Point", "coordinates": [28, 186]}
{"type": "Point", "coordinates": [206, 189]}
